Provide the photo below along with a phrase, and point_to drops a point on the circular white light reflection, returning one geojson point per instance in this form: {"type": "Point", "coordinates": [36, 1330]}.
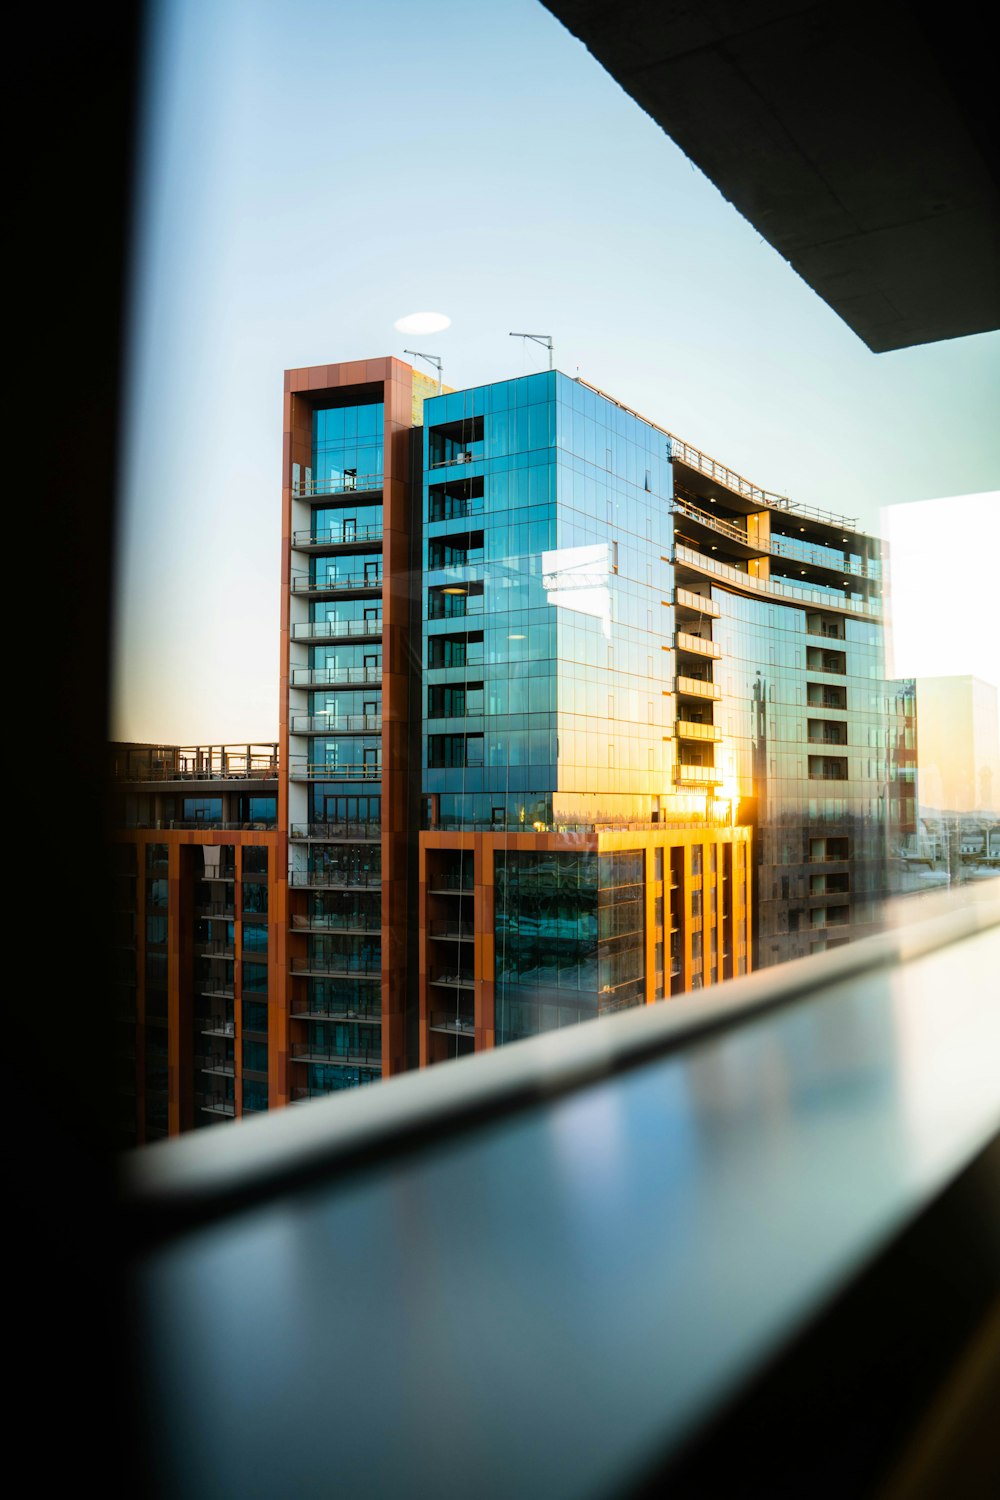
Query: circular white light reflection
{"type": "Point", "coordinates": [423, 322]}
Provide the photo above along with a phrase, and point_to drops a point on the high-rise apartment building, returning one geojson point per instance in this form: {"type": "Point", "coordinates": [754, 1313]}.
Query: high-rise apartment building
{"type": "Point", "coordinates": [573, 718]}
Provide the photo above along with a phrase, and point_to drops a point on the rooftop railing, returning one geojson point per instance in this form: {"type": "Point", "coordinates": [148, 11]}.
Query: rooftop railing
{"type": "Point", "coordinates": [722, 474]}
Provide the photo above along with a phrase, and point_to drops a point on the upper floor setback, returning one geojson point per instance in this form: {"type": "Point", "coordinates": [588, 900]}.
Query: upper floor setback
{"type": "Point", "coordinates": [340, 430]}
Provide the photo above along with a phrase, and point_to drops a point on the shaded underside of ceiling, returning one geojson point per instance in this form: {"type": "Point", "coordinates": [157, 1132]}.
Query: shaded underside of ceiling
{"type": "Point", "coordinates": [858, 139]}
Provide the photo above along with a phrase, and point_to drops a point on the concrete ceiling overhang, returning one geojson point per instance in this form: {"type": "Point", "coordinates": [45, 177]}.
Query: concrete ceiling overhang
{"type": "Point", "coordinates": [858, 139]}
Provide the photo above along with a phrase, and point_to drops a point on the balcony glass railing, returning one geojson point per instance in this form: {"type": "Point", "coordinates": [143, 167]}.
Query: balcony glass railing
{"type": "Point", "coordinates": [347, 829]}
{"type": "Point", "coordinates": [335, 676]}
{"type": "Point", "coordinates": [314, 1052]}
{"type": "Point", "coordinates": [336, 723]}
{"type": "Point", "coordinates": [693, 687]}
{"type": "Point", "coordinates": [697, 775]}
{"type": "Point", "coordinates": [344, 535]}
{"type": "Point", "coordinates": [337, 965]}
{"type": "Point", "coordinates": [869, 609]}
{"type": "Point", "coordinates": [688, 600]}
{"type": "Point", "coordinates": [686, 730]}
{"type": "Point", "coordinates": [319, 880]}
{"type": "Point", "coordinates": [336, 1010]}
{"type": "Point", "coordinates": [331, 630]}
{"type": "Point", "coordinates": [345, 771]}
{"type": "Point", "coordinates": [697, 645]}
{"type": "Point", "coordinates": [338, 584]}
{"type": "Point", "coordinates": [344, 484]}
{"type": "Point", "coordinates": [455, 1025]}
{"type": "Point", "coordinates": [461, 931]}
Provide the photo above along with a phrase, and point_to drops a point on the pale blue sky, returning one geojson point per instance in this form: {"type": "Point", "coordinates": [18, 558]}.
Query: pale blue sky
{"type": "Point", "coordinates": [313, 171]}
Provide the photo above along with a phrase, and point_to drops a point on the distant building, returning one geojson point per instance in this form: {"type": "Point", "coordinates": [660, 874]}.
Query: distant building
{"type": "Point", "coordinates": [959, 749]}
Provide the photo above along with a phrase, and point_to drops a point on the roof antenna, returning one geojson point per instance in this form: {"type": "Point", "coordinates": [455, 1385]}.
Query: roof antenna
{"type": "Point", "coordinates": [545, 339]}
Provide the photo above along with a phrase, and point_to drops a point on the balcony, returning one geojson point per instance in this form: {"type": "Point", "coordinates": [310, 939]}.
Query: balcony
{"type": "Point", "coordinates": [697, 776]}
{"type": "Point", "coordinates": [461, 981]}
{"type": "Point", "coordinates": [215, 1026]}
{"type": "Point", "coordinates": [700, 603]}
{"type": "Point", "coordinates": [332, 880]}
{"type": "Point", "coordinates": [359, 1057]}
{"type": "Point", "coordinates": [336, 966]}
{"type": "Point", "coordinates": [218, 1104]}
{"type": "Point", "coordinates": [735, 536]}
{"type": "Point", "coordinates": [462, 932]}
{"type": "Point", "coordinates": [332, 538]}
{"type": "Point", "coordinates": [213, 991]}
{"type": "Point", "coordinates": [345, 484]}
{"type": "Point", "coordinates": [345, 771]}
{"type": "Point", "coordinates": [215, 909]}
{"type": "Point", "coordinates": [685, 729]}
{"type": "Point", "coordinates": [368, 1015]}
{"type": "Point", "coordinates": [358, 923]}
{"type": "Point", "coordinates": [336, 724]}
{"type": "Point", "coordinates": [694, 687]}
{"type": "Point", "coordinates": [347, 583]}
{"type": "Point", "coordinates": [336, 630]}
{"type": "Point", "coordinates": [217, 1063]}
{"type": "Point", "coordinates": [747, 583]}
{"type": "Point", "coordinates": [696, 645]}
{"type": "Point", "coordinates": [350, 831]}
{"type": "Point", "coordinates": [216, 949]}
{"type": "Point", "coordinates": [454, 1024]}
{"type": "Point", "coordinates": [319, 677]}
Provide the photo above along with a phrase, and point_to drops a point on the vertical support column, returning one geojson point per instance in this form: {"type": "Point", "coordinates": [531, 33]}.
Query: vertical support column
{"type": "Point", "coordinates": [484, 906]}
{"type": "Point", "coordinates": [173, 987]}
{"type": "Point", "coordinates": [759, 535]}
